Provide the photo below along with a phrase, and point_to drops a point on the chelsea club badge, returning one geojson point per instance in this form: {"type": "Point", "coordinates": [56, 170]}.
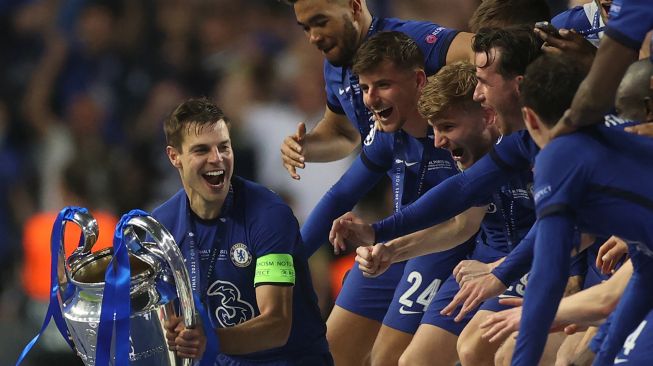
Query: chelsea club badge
{"type": "Point", "coordinates": [240, 256]}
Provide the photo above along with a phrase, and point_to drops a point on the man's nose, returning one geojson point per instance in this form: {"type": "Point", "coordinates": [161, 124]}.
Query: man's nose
{"type": "Point", "coordinates": [439, 140]}
{"type": "Point", "coordinates": [479, 95]}
{"type": "Point", "coordinates": [215, 155]}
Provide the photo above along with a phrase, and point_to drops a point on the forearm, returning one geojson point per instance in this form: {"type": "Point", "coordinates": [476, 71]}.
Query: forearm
{"type": "Point", "coordinates": [596, 94]}
{"type": "Point", "coordinates": [325, 145]}
{"type": "Point", "coordinates": [595, 303]}
{"type": "Point", "coordinates": [270, 329]}
{"type": "Point", "coordinates": [258, 334]}
{"type": "Point", "coordinates": [340, 198]}
{"type": "Point", "coordinates": [437, 238]}
{"type": "Point", "coordinates": [444, 201]}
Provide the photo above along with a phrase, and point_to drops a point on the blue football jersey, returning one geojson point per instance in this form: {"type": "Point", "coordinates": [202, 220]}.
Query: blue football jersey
{"type": "Point", "coordinates": [585, 19]}
{"type": "Point", "coordinates": [254, 224]}
{"type": "Point", "coordinates": [603, 190]}
{"type": "Point", "coordinates": [511, 156]}
{"type": "Point", "coordinates": [344, 95]}
{"type": "Point", "coordinates": [629, 22]}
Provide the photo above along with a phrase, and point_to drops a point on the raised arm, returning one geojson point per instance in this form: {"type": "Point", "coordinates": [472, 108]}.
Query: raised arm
{"type": "Point", "coordinates": [333, 138]}
{"type": "Point", "coordinates": [444, 201]}
{"type": "Point", "coordinates": [375, 260]}
{"type": "Point", "coordinates": [340, 198]}
{"type": "Point", "coordinates": [460, 48]}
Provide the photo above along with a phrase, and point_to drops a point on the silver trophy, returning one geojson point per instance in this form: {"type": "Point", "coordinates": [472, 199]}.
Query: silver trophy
{"type": "Point", "coordinates": [158, 277]}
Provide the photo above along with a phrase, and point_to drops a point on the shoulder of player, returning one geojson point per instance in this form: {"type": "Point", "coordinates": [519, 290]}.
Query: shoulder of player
{"type": "Point", "coordinates": [167, 212]}
{"type": "Point", "coordinates": [567, 148]}
{"type": "Point", "coordinates": [415, 29]}
{"type": "Point", "coordinates": [256, 196]}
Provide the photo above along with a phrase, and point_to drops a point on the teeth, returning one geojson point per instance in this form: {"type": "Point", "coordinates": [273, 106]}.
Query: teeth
{"type": "Point", "coordinates": [215, 173]}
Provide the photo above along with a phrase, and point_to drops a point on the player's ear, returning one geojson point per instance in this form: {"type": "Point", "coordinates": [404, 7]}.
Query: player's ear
{"type": "Point", "coordinates": [530, 119]}
{"type": "Point", "coordinates": [421, 78]}
{"type": "Point", "coordinates": [173, 156]}
{"type": "Point", "coordinates": [356, 7]}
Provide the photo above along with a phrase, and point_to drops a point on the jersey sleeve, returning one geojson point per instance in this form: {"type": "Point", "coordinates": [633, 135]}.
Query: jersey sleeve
{"type": "Point", "coordinates": [518, 261]}
{"type": "Point", "coordinates": [546, 285]}
{"type": "Point", "coordinates": [446, 200]}
{"type": "Point", "coordinates": [378, 154]}
{"type": "Point", "coordinates": [514, 152]}
{"type": "Point", "coordinates": [434, 41]}
{"type": "Point", "coordinates": [274, 234]}
{"type": "Point", "coordinates": [629, 21]}
{"type": "Point", "coordinates": [559, 188]}
{"type": "Point", "coordinates": [332, 101]}
{"type": "Point", "coordinates": [340, 198]}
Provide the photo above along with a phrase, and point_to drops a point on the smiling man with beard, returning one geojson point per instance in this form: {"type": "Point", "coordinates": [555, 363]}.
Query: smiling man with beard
{"type": "Point", "coordinates": [337, 28]}
{"type": "Point", "coordinates": [242, 247]}
{"type": "Point", "coordinates": [390, 69]}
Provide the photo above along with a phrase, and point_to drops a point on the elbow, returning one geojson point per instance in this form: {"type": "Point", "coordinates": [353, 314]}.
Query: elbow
{"type": "Point", "coordinates": [281, 327]}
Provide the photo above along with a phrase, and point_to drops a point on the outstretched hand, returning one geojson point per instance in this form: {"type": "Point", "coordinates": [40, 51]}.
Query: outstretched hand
{"type": "Point", "coordinates": [469, 269]}
{"type": "Point", "coordinates": [501, 324]}
{"type": "Point", "coordinates": [350, 230]}
{"type": "Point", "coordinates": [374, 260]}
{"type": "Point", "coordinates": [292, 151]}
{"type": "Point", "coordinates": [472, 294]}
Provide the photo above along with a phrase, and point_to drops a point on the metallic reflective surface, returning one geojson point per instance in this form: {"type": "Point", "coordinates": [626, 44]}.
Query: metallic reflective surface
{"type": "Point", "coordinates": [158, 277]}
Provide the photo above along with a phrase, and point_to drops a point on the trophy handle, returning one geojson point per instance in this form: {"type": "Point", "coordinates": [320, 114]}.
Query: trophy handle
{"type": "Point", "coordinates": [167, 249]}
{"type": "Point", "coordinates": [90, 232]}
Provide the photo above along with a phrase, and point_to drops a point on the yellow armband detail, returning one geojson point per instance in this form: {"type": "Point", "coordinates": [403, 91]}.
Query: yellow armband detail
{"type": "Point", "coordinates": [275, 268]}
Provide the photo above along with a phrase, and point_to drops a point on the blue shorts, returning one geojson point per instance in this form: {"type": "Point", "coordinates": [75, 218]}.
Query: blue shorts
{"type": "Point", "coordinates": [319, 359]}
{"type": "Point", "coordinates": [638, 345]}
{"type": "Point", "coordinates": [419, 285]}
{"type": "Point", "coordinates": [517, 289]}
{"type": "Point", "coordinates": [447, 292]}
{"type": "Point", "coordinates": [369, 297]}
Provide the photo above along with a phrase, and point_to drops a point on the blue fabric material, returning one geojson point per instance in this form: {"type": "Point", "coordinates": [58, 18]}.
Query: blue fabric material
{"type": "Point", "coordinates": [597, 192]}
{"type": "Point", "coordinates": [256, 224]}
{"type": "Point", "coordinates": [629, 22]}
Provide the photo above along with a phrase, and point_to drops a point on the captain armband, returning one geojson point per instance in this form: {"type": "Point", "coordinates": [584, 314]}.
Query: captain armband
{"type": "Point", "coordinates": [276, 269]}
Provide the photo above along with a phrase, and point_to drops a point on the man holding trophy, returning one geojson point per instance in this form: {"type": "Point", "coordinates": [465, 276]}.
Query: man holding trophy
{"type": "Point", "coordinates": [243, 251]}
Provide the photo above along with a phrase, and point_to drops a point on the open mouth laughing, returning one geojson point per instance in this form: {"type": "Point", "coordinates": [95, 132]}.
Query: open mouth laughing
{"type": "Point", "coordinates": [214, 178]}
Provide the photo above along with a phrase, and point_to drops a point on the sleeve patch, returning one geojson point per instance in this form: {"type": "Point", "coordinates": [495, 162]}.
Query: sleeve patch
{"type": "Point", "coordinates": [275, 268]}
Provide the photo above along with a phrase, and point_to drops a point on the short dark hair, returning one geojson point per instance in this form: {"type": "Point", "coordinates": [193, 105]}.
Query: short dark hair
{"type": "Point", "coordinates": [518, 44]}
{"type": "Point", "coordinates": [452, 87]}
{"type": "Point", "coordinates": [502, 13]}
{"type": "Point", "coordinates": [392, 46]}
{"type": "Point", "coordinates": [194, 112]}
{"type": "Point", "coordinates": [549, 86]}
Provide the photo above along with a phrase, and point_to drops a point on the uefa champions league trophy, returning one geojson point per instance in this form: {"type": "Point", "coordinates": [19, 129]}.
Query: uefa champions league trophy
{"type": "Point", "coordinates": [157, 277]}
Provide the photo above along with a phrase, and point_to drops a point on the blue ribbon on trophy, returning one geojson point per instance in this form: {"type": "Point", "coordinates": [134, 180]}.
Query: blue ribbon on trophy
{"type": "Point", "coordinates": [116, 299]}
{"type": "Point", "coordinates": [54, 308]}
{"type": "Point", "coordinates": [142, 283]}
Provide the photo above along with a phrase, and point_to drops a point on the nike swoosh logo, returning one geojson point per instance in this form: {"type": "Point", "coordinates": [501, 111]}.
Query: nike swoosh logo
{"type": "Point", "coordinates": [618, 360]}
{"type": "Point", "coordinates": [410, 164]}
{"type": "Point", "coordinates": [407, 312]}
